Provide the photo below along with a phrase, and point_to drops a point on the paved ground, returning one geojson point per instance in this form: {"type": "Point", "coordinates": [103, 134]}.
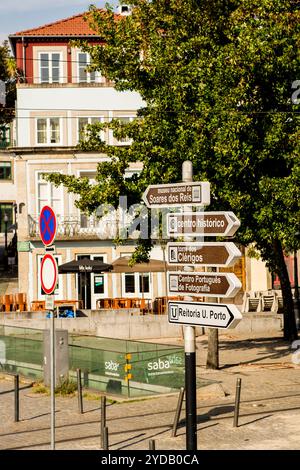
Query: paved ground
{"type": "Point", "coordinates": [269, 413]}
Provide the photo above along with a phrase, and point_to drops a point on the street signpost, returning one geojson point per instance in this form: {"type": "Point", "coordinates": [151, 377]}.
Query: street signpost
{"type": "Point", "coordinates": [203, 254]}
{"type": "Point", "coordinates": [47, 225]}
{"type": "Point", "coordinates": [209, 224]}
{"type": "Point", "coordinates": [208, 315]}
{"type": "Point", "coordinates": [189, 283]}
{"type": "Point", "coordinates": [177, 194]}
{"type": "Point", "coordinates": [49, 276]}
{"type": "Point", "coordinates": [203, 284]}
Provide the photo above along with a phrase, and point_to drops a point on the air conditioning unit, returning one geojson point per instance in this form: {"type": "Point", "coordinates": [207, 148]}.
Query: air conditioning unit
{"type": "Point", "coordinates": [124, 9]}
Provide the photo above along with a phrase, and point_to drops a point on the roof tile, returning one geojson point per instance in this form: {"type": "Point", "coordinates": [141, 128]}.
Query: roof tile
{"type": "Point", "coordinates": [72, 26]}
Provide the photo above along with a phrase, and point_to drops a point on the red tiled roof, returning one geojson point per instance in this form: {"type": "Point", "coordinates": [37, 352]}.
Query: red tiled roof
{"type": "Point", "coordinates": [72, 26]}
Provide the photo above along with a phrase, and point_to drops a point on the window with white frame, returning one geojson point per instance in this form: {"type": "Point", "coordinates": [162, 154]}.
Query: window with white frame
{"type": "Point", "coordinates": [83, 75]}
{"type": "Point", "coordinates": [87, 220]}
{"type": "Point", "coordinates": [83, 122]}
{"type": "Point", "coordinates": [136, 284]}
{"type": "Point", "coordinates": [48, 131]}
{"type": "Point", "coordinates": [48, 194]}
{"type": "Point", "coordinates": [124, 140]}
{"type": "Point", "coordinates": [50, 67]}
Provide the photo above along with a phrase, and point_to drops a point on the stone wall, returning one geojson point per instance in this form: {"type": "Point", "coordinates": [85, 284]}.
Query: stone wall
{"type": "Point", "coordinates": [129, 324]}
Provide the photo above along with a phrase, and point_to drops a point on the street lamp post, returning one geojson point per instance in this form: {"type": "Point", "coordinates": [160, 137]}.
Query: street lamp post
{"type": "Point", "coordinates": [5, 219]}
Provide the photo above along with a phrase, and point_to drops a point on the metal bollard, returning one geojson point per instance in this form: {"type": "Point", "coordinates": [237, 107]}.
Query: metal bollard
{"type": "Point", "coordinates": [105, 439]}
{"type": "Point", "coordinates": [103, 419]}
{"type": "Point", "coordinates": [151, 444]}
{"type": "Point", "coordinates": [85, 378]}
{"type": "Point", "coordinates": [237, 403]}
{"type": "Point", "coordinates": [178, 411]}
{"type": "Point", "coordinates": [79, 389]}
{"type": "Point", "coordinates": [17, 399]}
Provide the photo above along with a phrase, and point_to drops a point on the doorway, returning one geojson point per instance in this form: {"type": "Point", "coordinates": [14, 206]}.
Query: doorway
{"type": "Point", "coordinates": [96, 284]}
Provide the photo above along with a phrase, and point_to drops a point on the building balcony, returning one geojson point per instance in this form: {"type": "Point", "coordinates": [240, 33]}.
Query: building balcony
{"type": "Point", "coordinates": [103, 84]}
{"type": "Point", "coordinates": [5, 137]}
{"type": "Point", "coordinates": [82, 227]}
{"type": "Point", "coordinates": [4, 144]}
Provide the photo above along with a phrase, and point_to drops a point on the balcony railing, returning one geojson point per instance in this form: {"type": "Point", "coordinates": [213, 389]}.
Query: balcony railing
{"type": "Point", "coordinates": [4, 137]}
{"type": "Point", "coordinates": [79, 227]}
{"type": "Point", "coordinates": [4, 144]}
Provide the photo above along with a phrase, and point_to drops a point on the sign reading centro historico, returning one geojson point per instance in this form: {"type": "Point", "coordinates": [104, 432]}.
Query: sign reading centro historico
{"type": "Point", "coordinates": [204, 314]}
{"type": "Point", "coordinates": [177, 194]}
{"type": "Point", "coordinates": [211, 224]}
{"type": "Point", "coordinates": [206, 254]}
{"type": "Point", "coordinates": [206, 284]}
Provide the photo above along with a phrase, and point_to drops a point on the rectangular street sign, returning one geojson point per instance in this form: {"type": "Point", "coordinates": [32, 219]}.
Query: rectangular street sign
{"type": "Point", "coordinates": [210, 224]}
{"type": "Point", "coordinates": [177, 194]}
{"type": "Point", "coordinates": [203, 254]}
{"type": "Point", "coordinates": [206, 284]}
{"type": "Point", "coordinates": [208, 315]}
{"type": "Point", "coordinates": [49, 304]}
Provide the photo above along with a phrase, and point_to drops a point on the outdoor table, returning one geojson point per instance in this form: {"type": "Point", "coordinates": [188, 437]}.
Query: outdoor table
{"type": "Point", "coordinates": [38, 305]}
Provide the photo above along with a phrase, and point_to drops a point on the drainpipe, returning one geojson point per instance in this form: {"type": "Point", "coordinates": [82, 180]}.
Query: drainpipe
{"type": "Point", "coordinates": [24, 57]}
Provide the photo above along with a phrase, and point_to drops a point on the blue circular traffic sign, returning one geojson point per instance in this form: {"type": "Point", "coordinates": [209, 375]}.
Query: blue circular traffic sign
{"type": "Point", "coordinates": [47, 225]}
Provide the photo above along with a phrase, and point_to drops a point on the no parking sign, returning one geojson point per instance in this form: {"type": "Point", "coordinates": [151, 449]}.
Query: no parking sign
{"type": "Point", "coordinates": [47, 225]}
{"type": "Point", "coordinates": [49, 273]}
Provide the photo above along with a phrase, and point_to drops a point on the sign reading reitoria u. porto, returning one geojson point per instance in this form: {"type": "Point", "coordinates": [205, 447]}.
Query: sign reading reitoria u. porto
{"type": "Point", "coordinates": [204, 314]}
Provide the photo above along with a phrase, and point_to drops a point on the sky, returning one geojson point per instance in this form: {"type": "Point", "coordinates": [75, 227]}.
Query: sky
{"type": "Point", "coordinates": [17, 15]}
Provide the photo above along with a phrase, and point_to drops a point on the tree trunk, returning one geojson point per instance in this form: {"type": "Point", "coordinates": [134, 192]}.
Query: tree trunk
{"type": "Point", "coordinates": [289, 321]}
{"type": "Point", "coordinates": [212, 361]}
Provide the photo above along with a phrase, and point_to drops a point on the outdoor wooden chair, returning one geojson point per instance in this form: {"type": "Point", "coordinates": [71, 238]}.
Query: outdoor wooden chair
{"type": "Point", "coordinates": [268, 303]}
{"type": "Point", "coordinates": [8, 302]}
{"type": "Point", "coordinates": [251, 303]}
{"type": "Point", "coordinates": [20, 302]}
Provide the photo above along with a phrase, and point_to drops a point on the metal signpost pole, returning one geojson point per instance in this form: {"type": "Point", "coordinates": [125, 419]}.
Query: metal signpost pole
{"type": "Point", "coordinates": [49, 277]}
{"type": "Point", "coordinates": [190, 354]}
{"type": "Point", "coordinates": [52, 382]}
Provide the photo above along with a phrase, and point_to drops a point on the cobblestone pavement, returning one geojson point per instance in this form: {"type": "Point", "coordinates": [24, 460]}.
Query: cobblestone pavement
{"type": "Point", "coordinates": [269, 412]}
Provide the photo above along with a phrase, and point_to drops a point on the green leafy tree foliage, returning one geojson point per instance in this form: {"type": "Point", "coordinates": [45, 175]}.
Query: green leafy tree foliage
{"type": "Point", "coordinates": [8, 76]}
{"type": "Point", "coordinates": [216, 78]}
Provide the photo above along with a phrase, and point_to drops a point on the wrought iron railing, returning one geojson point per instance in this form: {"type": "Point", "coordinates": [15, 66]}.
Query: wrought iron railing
{"type": "Point", "coordinates": [74, 226]}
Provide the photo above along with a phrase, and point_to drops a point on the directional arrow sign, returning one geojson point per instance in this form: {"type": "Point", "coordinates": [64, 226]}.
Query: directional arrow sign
{"type": "Point", "coordinates": [204, 314]}
{"type": "Point", "coordinates": [206, 284]}
{"type": "Point", "coordinates": [211, 224]}
{"type": "Point", "coordinates": [203, 254]}
{"type": "Point", "coordinates": [177, 194]}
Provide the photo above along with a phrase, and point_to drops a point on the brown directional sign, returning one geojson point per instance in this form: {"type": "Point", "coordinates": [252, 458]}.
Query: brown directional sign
{"type": "Point", "coordinates": [206, 284]}
{"type": "Point", "coordinates": [203, 254]}
{"type": "Point", "coordinates": [211, 224]}
{"type": "Point", "coordinates": [177, 194]}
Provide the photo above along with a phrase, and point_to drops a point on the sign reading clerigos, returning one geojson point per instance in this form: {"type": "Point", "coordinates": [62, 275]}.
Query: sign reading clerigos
{"type": "Point", "coordinates": [203, 254]}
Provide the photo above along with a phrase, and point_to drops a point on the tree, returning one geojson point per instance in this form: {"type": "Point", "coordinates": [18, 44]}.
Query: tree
{"type": "Point", "coordinates": [8, 73]}
{"type": "Point", "coordinates": [216, 78]}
